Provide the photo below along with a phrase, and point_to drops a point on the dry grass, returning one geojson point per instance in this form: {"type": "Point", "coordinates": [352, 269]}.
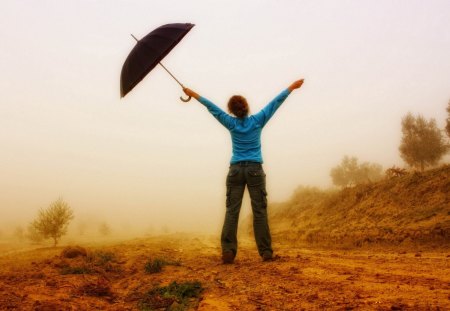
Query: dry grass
{"type": "Point", "coordinates": [409, 210]}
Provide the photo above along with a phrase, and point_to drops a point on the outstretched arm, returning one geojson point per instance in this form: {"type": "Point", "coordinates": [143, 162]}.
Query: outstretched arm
{"type": "Point", "coordinates": [218, 113]}
{"type": "Point", "coordinates": [267, 112]}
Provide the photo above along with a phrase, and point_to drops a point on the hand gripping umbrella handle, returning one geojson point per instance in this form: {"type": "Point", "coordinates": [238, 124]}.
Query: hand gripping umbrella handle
{"type": "Point", "coordinates": [185, 99]}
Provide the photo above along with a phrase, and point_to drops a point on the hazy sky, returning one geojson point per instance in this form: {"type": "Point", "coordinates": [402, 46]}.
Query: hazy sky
{"type": "Point", "coordinates": [149, 159]}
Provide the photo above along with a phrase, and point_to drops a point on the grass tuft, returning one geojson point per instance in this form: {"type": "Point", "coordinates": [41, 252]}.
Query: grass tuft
{"type": "Point", "coordinates": [156, 265]}
{"type": "Point", "coordinates": [93, 263]}
{"type": "Point", "coordinates": [101, 258]}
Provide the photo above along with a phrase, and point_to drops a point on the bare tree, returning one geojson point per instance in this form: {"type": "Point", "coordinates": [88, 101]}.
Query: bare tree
{"type": "Point", "coordinates": [422, 142]}
{"type": "Point", "coordinates": [53, 221]}
{"type": "Point", "coordinates": [350, 173]}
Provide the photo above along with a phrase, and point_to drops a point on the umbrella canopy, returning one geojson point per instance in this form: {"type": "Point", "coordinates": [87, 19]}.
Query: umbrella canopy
{"type": "Point", "coordinates": [148, 52]}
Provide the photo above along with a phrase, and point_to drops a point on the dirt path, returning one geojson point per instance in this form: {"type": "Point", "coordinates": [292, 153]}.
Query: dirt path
{"type": "Point", "coordinates": [301, 278]}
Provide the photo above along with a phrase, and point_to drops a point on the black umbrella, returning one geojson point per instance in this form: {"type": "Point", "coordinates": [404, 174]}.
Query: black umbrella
{"type": "Point", "coordinates": [148, 52]}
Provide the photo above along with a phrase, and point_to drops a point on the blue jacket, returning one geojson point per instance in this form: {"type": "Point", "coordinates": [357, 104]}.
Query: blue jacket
{"type": "Point", "coordinates": [246, 132]}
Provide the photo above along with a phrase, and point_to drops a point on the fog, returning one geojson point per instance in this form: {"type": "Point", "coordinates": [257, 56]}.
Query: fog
{"type": "Point", "coordinates": [150, 163]}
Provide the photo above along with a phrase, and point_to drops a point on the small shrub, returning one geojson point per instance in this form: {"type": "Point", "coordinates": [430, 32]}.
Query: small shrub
{"type": "Point", "coordinates": [101, 257]}
{"type": "Point", "coordinates": [175, 296]}
{"type": "Point", "coordinates": [156, 265]}
{"type": "Point", "coordinates": [395, 172]}
{"type": "Point", "coordinates": [104, 260]}
{"type": "Point", "coordinates": [73, 251]}
{"type": "Point", "coordinates": [96, 262]}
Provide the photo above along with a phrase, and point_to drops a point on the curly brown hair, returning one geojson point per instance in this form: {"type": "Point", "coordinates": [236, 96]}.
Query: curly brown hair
{"type": "Point", "coordinates": [238, 106]}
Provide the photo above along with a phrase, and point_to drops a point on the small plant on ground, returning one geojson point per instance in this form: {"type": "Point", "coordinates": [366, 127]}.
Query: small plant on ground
{"type": "Point", "coordinates": [175, 296]}
{"type": "Point", "coordinates": [395, 172]}
{"type": "Point", "coordinates": [100, 258]}
{"type": "Point", "coordinates": [93, 263]}
{"type": "Point", "coordinates": [103, 259]}
{"type": "Point", "coordinates": [156, 265]}
{"type": "Point", "coordinates": [97, 288]}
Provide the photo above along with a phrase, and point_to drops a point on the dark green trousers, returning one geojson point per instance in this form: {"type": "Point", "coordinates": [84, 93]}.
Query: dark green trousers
{"type": "Point", "coordinates": [250, 174]}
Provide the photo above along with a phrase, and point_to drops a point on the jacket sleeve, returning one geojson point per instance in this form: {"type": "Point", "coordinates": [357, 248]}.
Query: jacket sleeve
{"type": "Point", "coordinates": [221, 116]}
{"type": "Point", "coordinates": [267, 112]}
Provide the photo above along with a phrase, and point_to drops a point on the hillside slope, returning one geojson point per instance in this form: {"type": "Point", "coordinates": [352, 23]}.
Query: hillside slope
{"type": "Point", "coordinates": [409, 210]}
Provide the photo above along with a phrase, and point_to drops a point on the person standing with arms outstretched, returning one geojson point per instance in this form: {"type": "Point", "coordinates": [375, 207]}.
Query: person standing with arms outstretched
{"type": "Point", "coordinates": [245, 168]}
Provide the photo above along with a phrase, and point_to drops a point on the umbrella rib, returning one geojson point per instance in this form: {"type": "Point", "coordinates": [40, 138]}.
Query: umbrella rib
{"type": "Point", "coordinates": [159, 62]}
{"type": "Point", "coordinates": [158, 35]}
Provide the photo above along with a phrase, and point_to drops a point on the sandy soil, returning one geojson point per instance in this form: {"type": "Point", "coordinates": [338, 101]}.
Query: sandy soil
{"type": "Point", "coordinates": [300, 279]}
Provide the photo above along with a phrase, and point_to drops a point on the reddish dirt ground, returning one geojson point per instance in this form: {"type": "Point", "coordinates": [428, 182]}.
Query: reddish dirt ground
{"type": "Point", "coordinates": [300, 279]}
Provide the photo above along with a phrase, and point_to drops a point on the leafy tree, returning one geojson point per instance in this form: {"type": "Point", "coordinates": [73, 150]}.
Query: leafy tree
{"type": "Point", "coordinates": [369, 172]}
{"type": "Point", "coordinates": [422, 142]}
{"type": "Point", "coordinates": [341, 174]}
{"type": "Point", "coordinates": [53, 221]}
{"type": "Point", "coordinates": [350, 173]}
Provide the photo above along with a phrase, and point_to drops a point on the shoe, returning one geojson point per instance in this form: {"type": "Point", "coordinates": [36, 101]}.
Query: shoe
{"type": "Point", "coordinates": [228, 257]}
{"type": "Point", "coordinates": [267, 256]}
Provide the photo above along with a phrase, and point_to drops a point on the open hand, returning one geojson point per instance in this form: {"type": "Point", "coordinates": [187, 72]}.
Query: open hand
{"type": "Point", "coordinates": [296, 85]}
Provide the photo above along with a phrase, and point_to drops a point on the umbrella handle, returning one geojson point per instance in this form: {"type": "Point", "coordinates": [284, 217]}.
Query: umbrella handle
{"type": "Point", "coordinates": [185, 99]}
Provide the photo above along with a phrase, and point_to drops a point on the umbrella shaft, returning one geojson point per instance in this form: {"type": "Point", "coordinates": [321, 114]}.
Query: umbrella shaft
{"type": "Point", "coordinates": [171, 75]}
